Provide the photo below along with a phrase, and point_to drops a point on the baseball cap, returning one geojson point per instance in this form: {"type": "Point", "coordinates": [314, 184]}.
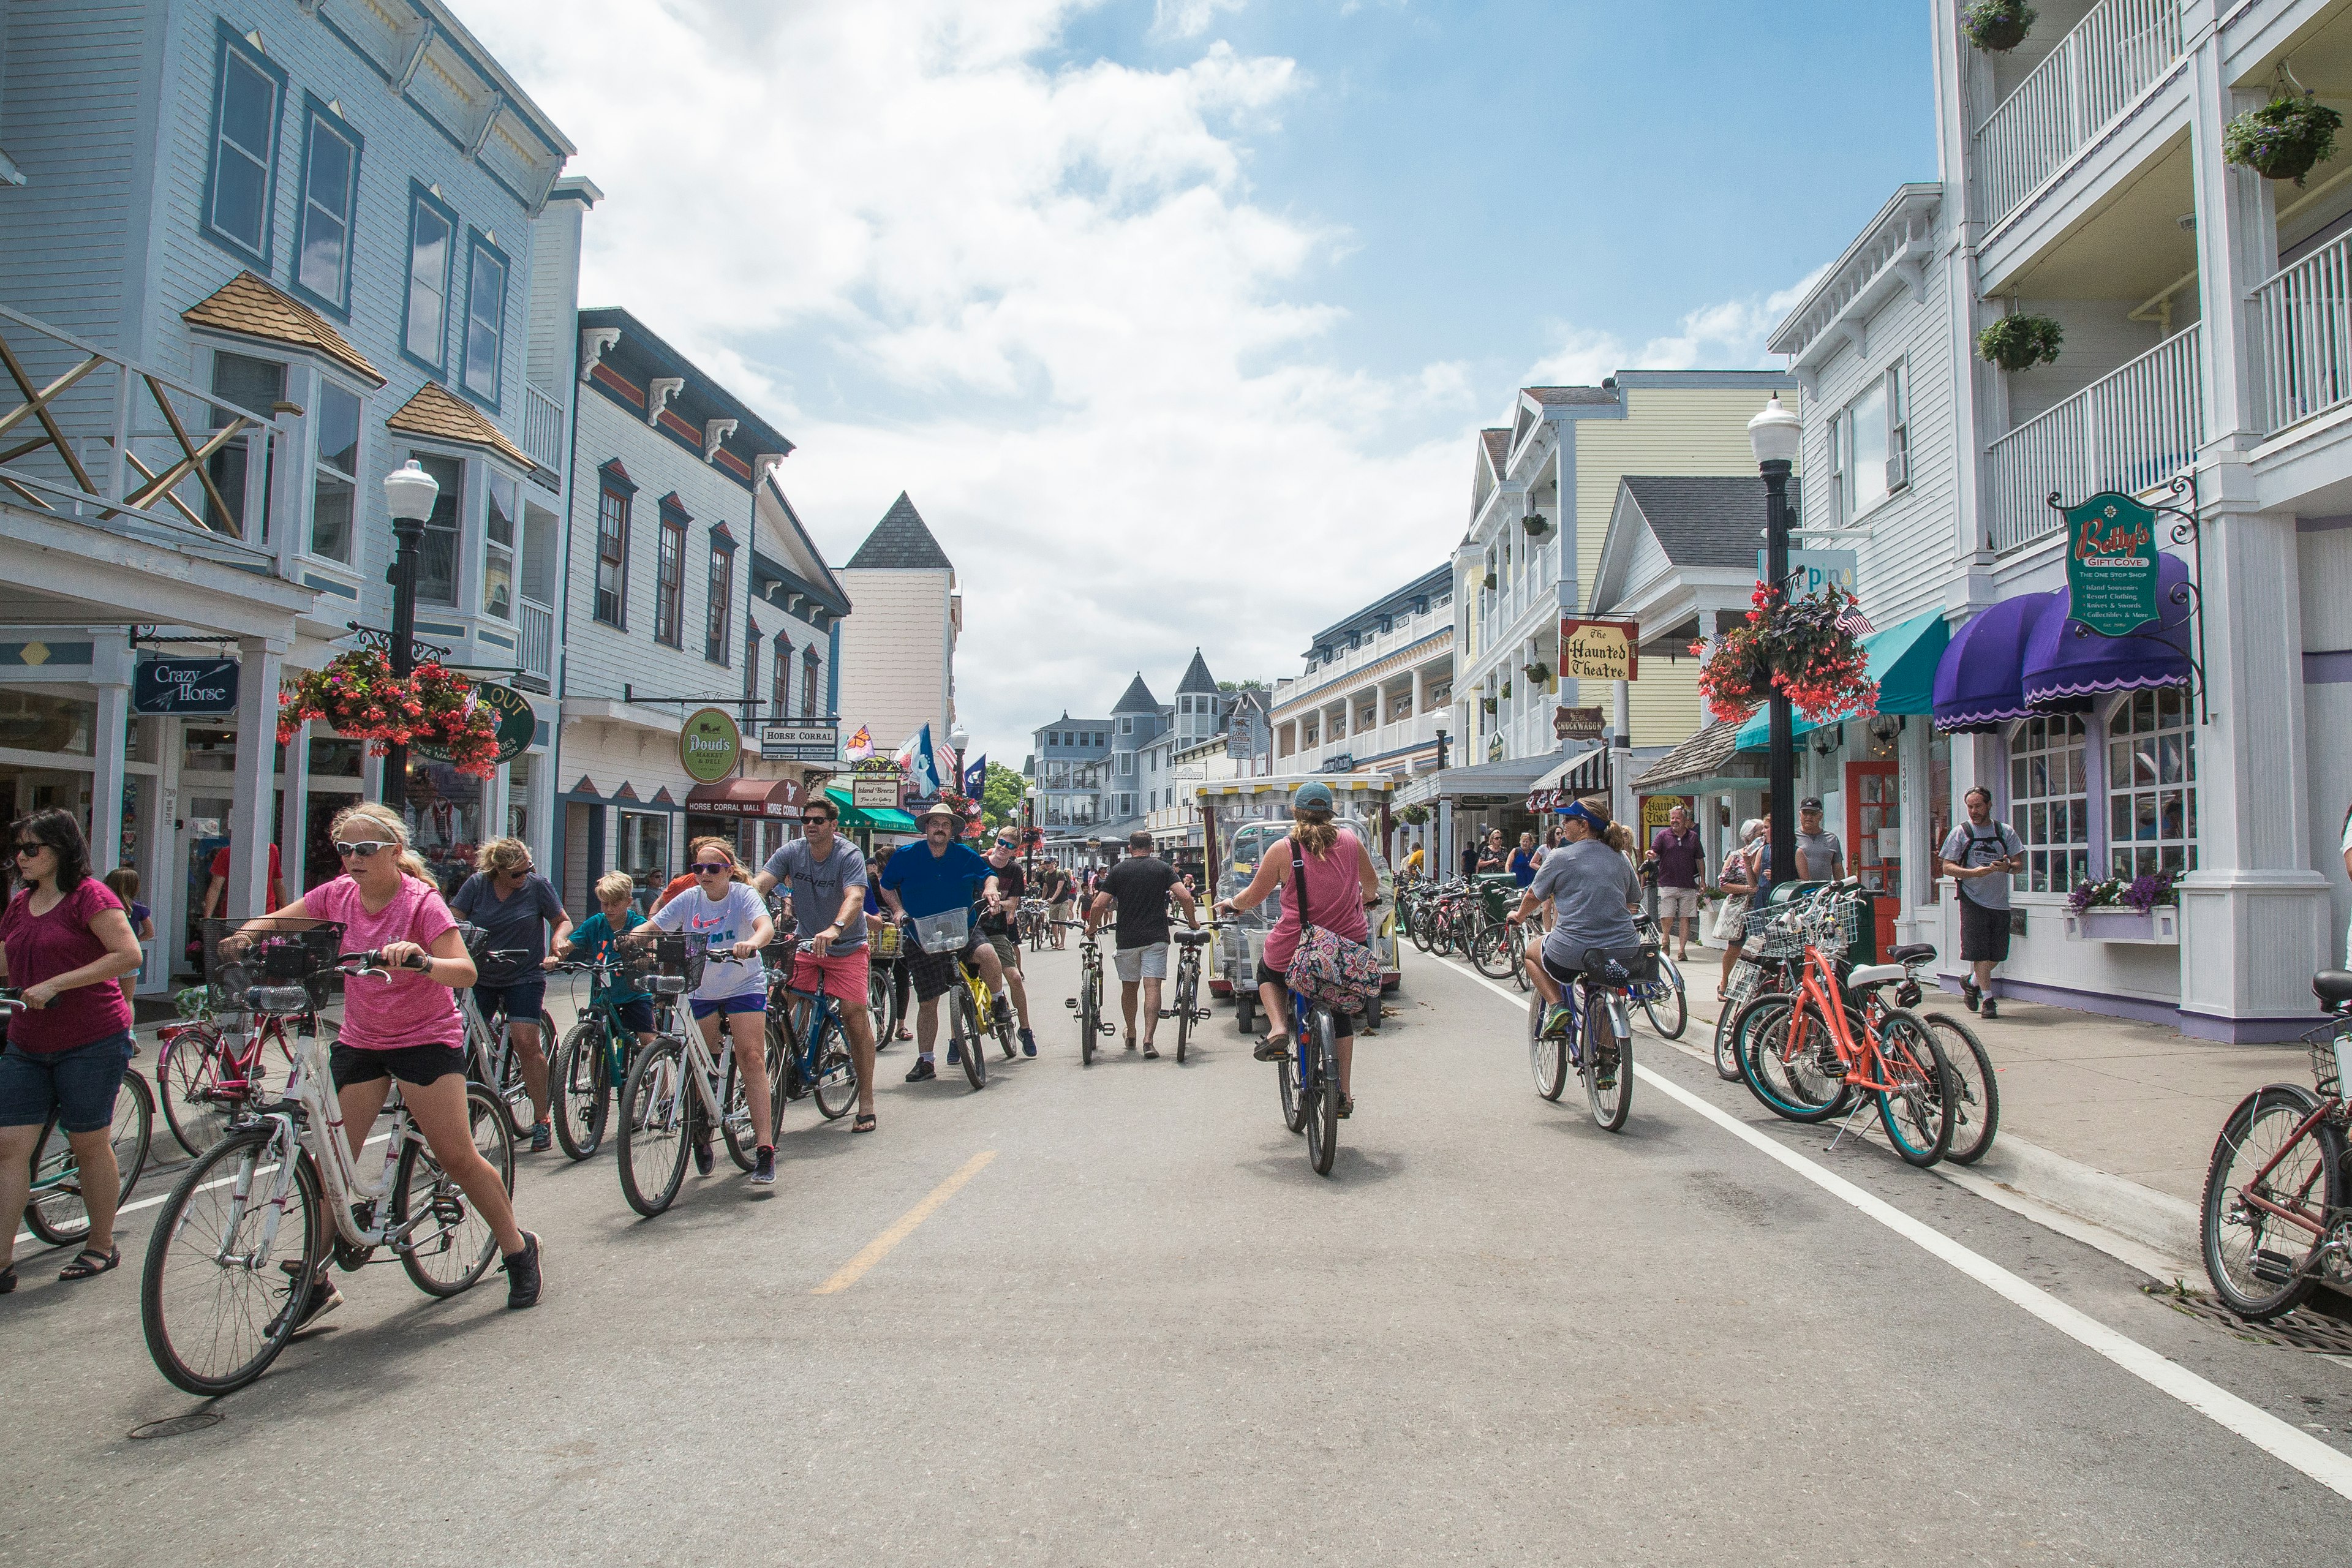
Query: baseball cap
{"type": "Point", "coordinates": [1312, 797]}
{"type": "Point", "coordinates": [1810, 803]}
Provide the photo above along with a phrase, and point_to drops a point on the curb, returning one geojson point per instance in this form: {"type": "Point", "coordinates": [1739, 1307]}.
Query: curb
{"type": "Point", "coordinates": [2140, 1214]}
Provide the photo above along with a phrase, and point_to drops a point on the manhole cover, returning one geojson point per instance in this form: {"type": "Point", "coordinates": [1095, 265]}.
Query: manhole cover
{"type": "Point", "coordinates": [173, 1426]}
{"type": "Point", "coordinates": [2300, 1330]}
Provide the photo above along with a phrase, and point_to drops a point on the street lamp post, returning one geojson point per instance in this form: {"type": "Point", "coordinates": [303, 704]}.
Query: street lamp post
{"type": "Point", "coordinates": [409, 491]}
{"type": "Point", "coordinates": [1774, 434]}
{"type": "Point", "coordinates": [1029, 825]}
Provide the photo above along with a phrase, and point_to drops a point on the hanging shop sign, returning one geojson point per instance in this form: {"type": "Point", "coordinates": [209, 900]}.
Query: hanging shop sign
{"type": "Point", "coordinates": [709, 744]}
{"type": "Point", "coordinates": [875, 792]}
{"type": "Point", "coordinates": [1577, 723]}
{"type": "Point", "coordinates": [1810, 571]}
{"type": "Point", "coordinates": [801, 743]}
{"type": "Point", "coordinates": [2111, 564]}
{"type": "Point", "coordinates": [518, 725]}
{"type": "Point", "coordinates": [184, 687]}
{"type": "Point", "coordinates": [1598, 650]}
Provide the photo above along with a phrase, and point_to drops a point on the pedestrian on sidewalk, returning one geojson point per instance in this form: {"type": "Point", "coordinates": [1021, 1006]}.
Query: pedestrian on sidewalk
{"type": "Point", "coordinates": [124, 883]}
{"type": "Point", "coordinates": [1745, 878]}
{"type": "Point", "coordinates": [1820, 857]}
{"type": "Point", "coordinates": [1980, 857]}
{"type": "Point", "coordinates": [1680, 860]}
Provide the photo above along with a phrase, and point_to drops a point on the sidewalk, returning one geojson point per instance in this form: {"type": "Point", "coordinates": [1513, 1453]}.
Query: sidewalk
{"type": "Point", "coordinates": [2108, 1121]}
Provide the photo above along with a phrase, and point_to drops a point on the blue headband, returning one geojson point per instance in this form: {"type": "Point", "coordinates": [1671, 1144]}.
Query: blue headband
{"type": "Point", "coordinates": [1584, 814]}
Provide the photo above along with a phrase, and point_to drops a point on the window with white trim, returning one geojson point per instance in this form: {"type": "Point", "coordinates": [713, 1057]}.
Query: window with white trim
{"type": "Point", "coordinates": [239, 470]}
{"type": "Point", "coordinates": [2151, 784]}
{"type": "Point", "coordinates": [334, 483]}
{"type": "Point", "coordinates": [322, 240]}
{"type": "Point", "coordinates": [432, 235]}
{"type": "Point", "coordinates": [486, 313]}
{"type": "Point", "coordinates": [1870, 445]}
{"type": "Point", "coordinates": [436, 555]}
{"type": "Point", "coordinates": [502, 506]}
{"type": "Point", "coordinates": [246, 97]}
{"type": "Point", "coordinates": [2049, 802]}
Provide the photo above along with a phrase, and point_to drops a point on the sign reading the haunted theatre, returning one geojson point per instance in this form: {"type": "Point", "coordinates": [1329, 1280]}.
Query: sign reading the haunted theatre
{"type": "Point", "coordinates": [2111, 564]}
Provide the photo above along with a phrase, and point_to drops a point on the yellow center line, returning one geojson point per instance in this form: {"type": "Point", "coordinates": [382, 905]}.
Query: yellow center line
{"type": "Point", "coordinates": [879, 1248]}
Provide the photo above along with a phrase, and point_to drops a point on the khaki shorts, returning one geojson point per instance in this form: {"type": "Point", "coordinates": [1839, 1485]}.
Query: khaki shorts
{"type": "Point", "coordinates": [1146, 962]}
{"type": "Point", "coordinates": [1676, 901]}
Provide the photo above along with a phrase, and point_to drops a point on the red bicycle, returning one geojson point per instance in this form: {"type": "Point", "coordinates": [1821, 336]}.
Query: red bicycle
{"type": "Point", "coordinates": [208, 1070]}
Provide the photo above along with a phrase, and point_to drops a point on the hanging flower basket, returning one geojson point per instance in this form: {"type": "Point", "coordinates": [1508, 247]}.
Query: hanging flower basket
{"type": "Point", "coordinates": [1413, 815]}
{"type": "Point", "coordinates": [1490, 704]}
{"type": "Point", "coordinates": [1490, 579]}
{"type": "Point", "coordinates": [1796, 649]}
{"type": "Point", "coordinates": [1995, 27]}
{"type": "Point", "coordinates": [2021, 343]}
{"type": "Point", "coordinates": [359, 696]}
{"type": "Point", "coordinates": [1506, 688]}
{"type": "Point", "coordinates": [1536, 524]}
{"type": "Point", "coordinates": [2284, 137]}
{"type": "Point", "coordinates": [1538, 672]}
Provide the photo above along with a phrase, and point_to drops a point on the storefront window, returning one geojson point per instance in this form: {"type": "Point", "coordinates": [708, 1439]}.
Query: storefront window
{"type": "Point", "coordinates": [1939, 805]}
{"type": "Point", "coordinates": [645, 848]}
{"type": "Point", "coordinates": [206, 750]}
{"type": "Point", "coordinates": [518, 783]}
{"type": "Point", "coordinates": [2151, 786]}
{"type": "Point", "coordinates": [445, 821]}
{"type": "Point", "coordinates": [37, 721]}
{"type": "Point", "coordinates": [334, 758]}
{"type": "Point", "coordinates": [2049, 803]}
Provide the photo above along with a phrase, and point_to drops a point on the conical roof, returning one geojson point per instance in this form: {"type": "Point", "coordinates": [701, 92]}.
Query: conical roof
{"type": "Point", "coordinates": [1139, 699]}
{"type": "Point", "coordinates": [901, 543]}
{"type": "Point", "coordinates": [1197, 676]}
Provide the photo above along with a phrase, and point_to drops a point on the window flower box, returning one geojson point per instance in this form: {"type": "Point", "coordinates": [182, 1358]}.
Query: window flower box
{"type": "Point", "coordinates": [2158, 927]}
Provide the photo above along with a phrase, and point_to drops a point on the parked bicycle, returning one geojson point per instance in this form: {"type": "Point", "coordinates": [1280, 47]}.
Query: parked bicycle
{"type": "Point", "coordinates": [1031, 923]}
{"type": "Point", "coordinates": [245, 1230]}
{"type": "Point", "coordinates": [54, 1212]}
{"type": "Point", "coordinates": [1661, 995]}
{"type": "Point", "coordinates": [209, 1070]}
{"type": "Point", "coordinates": [1185, 999]}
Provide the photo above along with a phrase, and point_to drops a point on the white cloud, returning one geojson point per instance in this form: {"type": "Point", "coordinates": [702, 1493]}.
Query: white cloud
{"type": "Point", "coordinates": [1187, 18]}
{"type": "Point", "coordinates": [1726, 336]}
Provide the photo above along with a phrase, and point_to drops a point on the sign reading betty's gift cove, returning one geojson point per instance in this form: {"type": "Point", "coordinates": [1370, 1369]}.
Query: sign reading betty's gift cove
{"type": "Point", "coordinates": [2111, 564]}
{"type": "Point", "coordinates": [1598, 650]}
{"type": "Point", "coordinates": [708, 744]}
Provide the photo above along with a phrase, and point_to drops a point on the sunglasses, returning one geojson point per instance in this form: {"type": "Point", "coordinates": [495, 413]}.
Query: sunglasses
{"type": "Point", "coordinates": [27, 851]}
{"type": "Point", "coordinates": [360, 850]}
{"type": "Point", "coordinates": [818, 819]}
{"type": "Point", "coordinates": [711, 868]}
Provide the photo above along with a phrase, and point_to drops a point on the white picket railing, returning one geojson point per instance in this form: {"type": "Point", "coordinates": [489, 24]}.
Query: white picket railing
{"type": "Point", "coordinates": [535, 624]}
{"type": "Point", "coordinates": [2113, 55]}
{"type": "Point", "coordinates": [2302, 320]}
{"type": "Point", "coordinates": [543, 428]}
{"type": "Point", "coordinates": [2130, 430]}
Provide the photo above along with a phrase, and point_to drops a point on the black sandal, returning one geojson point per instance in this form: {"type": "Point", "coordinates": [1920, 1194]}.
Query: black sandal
{"type": "Point", "coordinates": [7, 1279]}
{"type": "Point", "coordinates": [81, 1268]}
{"type": "Point", "coordinates": [865, 1122]}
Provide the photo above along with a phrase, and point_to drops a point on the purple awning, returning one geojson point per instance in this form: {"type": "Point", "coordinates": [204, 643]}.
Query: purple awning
{"type": "Point", "coordinates": [1980, 680]}
{"type": "Point", "coordinates": [2066, 666]}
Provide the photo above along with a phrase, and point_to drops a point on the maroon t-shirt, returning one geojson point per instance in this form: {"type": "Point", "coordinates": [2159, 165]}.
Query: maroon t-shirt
{"type": "Point", "coordinates": [1679, 857]}
{"type": "Point", "coordinates": [41, 947]}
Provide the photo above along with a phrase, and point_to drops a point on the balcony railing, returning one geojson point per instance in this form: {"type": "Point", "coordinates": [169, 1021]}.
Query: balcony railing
{"type": "Point", "coordinates": [542, 429]}
{"type": "Point", "coordinates": [2097, 71]}
{"type": "Point", "coordinates": [2129, 430]}
{"type": "Point", "coordinates": [535, 640]}
{"type": "Point", "coordinates": [2304, 321]}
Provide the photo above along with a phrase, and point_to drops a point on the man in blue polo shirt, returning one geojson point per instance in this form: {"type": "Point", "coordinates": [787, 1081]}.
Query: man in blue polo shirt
{"type": "Point", "coordinates": [931, 879]}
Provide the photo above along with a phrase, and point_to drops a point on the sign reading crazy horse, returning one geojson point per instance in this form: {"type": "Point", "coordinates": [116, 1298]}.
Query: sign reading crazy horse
{"type": "Point", "coordinates": [1598, 650]}
{"type": "Point", "coordinates": [2111, 564]}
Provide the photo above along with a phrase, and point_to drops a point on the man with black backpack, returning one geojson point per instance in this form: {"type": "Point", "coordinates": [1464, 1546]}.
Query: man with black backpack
{"type": "Point", "coordinates": [1979, 855]}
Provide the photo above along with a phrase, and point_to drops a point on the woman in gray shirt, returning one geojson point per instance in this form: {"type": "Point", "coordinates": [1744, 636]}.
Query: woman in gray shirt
{"type": "Point", "coordinates": [1593, 893]}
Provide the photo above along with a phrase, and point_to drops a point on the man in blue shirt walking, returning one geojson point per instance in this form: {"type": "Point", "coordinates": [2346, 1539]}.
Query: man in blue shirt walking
{"type": "Point", "coordinates": [932, 878]}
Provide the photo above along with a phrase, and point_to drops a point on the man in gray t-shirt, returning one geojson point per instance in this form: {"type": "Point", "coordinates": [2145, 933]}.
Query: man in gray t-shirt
{"type": "Point", "coordinates": [1979, 855]}
{"type": "Point", "coordinates": [828, 882]}
{"type": "Point", "coordinates": [1820, 857]}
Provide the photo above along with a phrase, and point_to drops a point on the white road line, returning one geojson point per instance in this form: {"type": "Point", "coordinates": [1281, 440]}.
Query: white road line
{"type": "Point", "coordinates": [25, 1236]}
{"type": "Point", "coordinates": [2327, 1465]}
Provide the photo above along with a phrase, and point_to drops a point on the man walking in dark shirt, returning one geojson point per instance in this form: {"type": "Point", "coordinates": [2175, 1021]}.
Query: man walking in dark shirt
{"type": "Point", "coordinates": [1141, 886]}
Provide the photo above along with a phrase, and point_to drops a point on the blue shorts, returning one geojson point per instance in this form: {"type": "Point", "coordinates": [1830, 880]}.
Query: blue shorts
{"type": "Point", "coordinates": [78, 1084]}
{"type": "Point", "coordinates": [749, 1001]}
{"type": "Point", "coordinates": [521, 1000]}
{"type": "Point", "coordinates": [637, 1016]}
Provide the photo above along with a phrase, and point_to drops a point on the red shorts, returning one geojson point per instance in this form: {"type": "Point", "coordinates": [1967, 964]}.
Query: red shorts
{"type": "Point", "coordinates": [841, 977]}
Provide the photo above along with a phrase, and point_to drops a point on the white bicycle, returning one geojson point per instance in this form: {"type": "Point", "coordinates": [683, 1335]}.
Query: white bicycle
{"type": "Point", "coordinates": [254, 1219]}
{"type": "Point", "coordinates": [672, 1100]}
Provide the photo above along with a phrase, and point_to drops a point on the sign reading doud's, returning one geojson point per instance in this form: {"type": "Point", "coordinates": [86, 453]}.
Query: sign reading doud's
{"type": "Point", "coordinates": [2111, 564]}
{"type": "Point", "coordinates": [1598, 650]}
{"type": "Point", "coordinates": [517, 723]}
{"type": "Point", "coordinates": [708, 744]}
{"type": "Point", "coordinates": [184, 686]}
{"type": "Point", "coordinates": [1577, 723]}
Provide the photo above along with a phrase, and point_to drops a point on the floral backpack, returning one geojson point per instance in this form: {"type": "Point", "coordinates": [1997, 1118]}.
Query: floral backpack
{"type": "Point", "coordinates": [1327, 968]}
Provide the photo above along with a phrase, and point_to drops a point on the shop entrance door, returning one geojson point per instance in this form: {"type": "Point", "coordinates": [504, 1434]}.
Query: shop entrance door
{"type": "Point", "coordinates": [1874, 838]}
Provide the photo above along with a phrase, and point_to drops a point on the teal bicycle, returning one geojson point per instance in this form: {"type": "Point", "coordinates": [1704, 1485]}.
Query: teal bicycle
{"type": "Point", "coordinates": [819, 1063]}
{"type": "Point", "coordinates": [55, 1210]}
{"type": "Point", "coordinates": [593, 1062]}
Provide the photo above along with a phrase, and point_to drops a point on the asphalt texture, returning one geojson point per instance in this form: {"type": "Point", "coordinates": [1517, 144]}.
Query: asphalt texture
{"type": "Point", "coordinates": [1144, 1331]}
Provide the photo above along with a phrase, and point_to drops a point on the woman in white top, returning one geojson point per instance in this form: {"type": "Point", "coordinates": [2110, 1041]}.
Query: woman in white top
{"type": "Point", "coordinates": [726, 918]}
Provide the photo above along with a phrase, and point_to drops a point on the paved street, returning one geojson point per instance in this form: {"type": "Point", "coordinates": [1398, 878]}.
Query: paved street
{"type": "Point", "coordinates": [1143, 1330]}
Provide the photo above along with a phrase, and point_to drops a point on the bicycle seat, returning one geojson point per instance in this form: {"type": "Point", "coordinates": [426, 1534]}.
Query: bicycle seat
{"type": "Point", "coordinates": [2333, 987]}
{"type": "Point", "coordinates": [1876, 975]}
{"type": "Point", "coordinates": [1189, 938]}
{"type": "Point", "coordinates": [1911, 953]}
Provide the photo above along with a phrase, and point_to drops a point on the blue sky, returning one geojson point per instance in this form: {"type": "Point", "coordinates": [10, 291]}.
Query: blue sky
{"type": "Point", "coordinates": [1177, 318]}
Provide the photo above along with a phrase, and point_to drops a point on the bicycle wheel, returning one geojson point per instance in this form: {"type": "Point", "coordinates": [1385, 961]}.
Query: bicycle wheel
{"type": "Point", "coordinates": [583, 1096]}
{"type": "Point", "coordinates": [963, 1030]}
{"type": "Point", "coordinates": [217, 1301]}
{"type": "Point", "coordinates": [1490, 953]}
{"type": "Point", "coordinates": [1917, 1110]}
{"type": "Point", "coordinates": [1323, 1097]}
{"type": "Point", "coordinates": [735, 1126]}
{"type": "Point", "coordinates": [1007, 1041]}
{"type": "Point", "coordinates": [452, 1245]}
{"type": "Point", "coordinates": [1544, 1052]}
{"type": "Point", "coordinates": [1515, 940]}
{"type": "Point", "coordinates": [58, 1216]}
{"type": "Point", "coordinates": [836, 1074]}
{"type": "Point", "coordinates": [1608, 1064]}
{"type": "Point", "coordinates": [1188, 989]}
{"type": "Point", "coordinates": [1294, 1098]}
{"type": "Point", "coordinates": [509, 1091]}
{"type": "Point", "coordinates": [1976, 1092]}
{"type": "Point", "coordinates": [1789, 1057]}
{"type": "Point", "coordinates": [2259, 1262]}
{"type": "Point", "coordinates": [187, 1075]}
{"type": "Point", "coordinates": [1727, 1043]}
{"type": "Point", "coordinates": [1664, 1002]}
{"type": "Point", "coordinates": [1417, 928]}
{"type": "Point", "coordinates": [654, 1116]}
{"type": "Point", "coordinates": [878, 1003]}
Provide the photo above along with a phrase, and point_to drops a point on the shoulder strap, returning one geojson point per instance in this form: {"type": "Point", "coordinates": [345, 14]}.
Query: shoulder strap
{"type": "Point", "coordinates": [1299, 871]}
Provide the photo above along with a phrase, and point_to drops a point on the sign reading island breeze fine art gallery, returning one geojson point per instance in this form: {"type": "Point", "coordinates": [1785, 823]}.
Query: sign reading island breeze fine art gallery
{"type": "Point", "coordinates": [2111, 564]}
{"type": "Point", "coordinates": [708, 744]}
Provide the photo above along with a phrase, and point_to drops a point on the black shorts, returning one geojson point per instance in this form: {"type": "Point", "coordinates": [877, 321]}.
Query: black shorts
{"type": "Point", "coordinates": [409, 1064]}
{"type": "Point", "coordinates": [1984, 934]}
{"type": "Point", "coordinates": [935, 973]}
{"type": "Point", "coordinates": [637, 1016]}
{"type": "Point", "coordinates": [1343, 1020]}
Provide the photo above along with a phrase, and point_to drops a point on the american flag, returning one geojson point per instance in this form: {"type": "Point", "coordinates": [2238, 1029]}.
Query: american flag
{"type": "Point", "coordinates": [1852, 619]}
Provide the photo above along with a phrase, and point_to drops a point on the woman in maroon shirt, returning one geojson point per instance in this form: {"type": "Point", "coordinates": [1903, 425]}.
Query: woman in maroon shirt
{"type": "Point", "coordinates": [64, 940]}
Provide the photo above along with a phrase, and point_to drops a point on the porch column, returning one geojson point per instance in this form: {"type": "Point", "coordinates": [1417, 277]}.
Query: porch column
{"type": "Point", "coordinates": [106, 778]}
{"type": "Point", "coordinates": [296, 782]}
{"type": "Point", "coordinates": [494, 802]}
{"type": "Point", "coordinates": [253, 795]}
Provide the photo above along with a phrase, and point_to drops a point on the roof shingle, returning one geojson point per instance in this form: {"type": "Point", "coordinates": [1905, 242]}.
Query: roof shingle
{"type": "Point", "coordinates": [1572, 396]}
{"type": "Point", "coordinates": [248, 306]}
{"type": "Point", "coordinates": [440, 414]}
{"type": "Point", "coordinates": [901, 543]}
{"type": "Point", "coordinates": [1704, 520]}
{"type": "Point", "coordinates": [1138, 699]}
{"type": "Point", "coordinates": [1197, 676]}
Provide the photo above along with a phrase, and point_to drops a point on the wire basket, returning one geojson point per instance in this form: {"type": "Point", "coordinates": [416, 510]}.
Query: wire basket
{"type": "Point", "coordinates": [1784, 936]}
{"type": "Point", "coordinates": [1832, 924]}
{"type": "Point", "coordinates": [947, 932]}
{"type": "Point", "coordinates": [2329, 1044]}
{"type": "Point", "coordinates": [882, 939]}
{"type": "Point", "coordinates": [664, 966]}
{"type": "Point", "coordinates": [243, 957]}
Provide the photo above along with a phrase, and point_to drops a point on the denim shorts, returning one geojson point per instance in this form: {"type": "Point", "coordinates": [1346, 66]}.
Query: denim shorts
{"type": "Point", "coordinates": [78, 1084]}
{"type": "Point", "coordinates": [749, 1001]}
{"type": "Point", "coordinates": [520, 1000]}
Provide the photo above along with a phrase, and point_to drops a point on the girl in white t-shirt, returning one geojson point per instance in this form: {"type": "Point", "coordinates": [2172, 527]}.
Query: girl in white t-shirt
{"type": "Point", "coordinates": [727, 920]}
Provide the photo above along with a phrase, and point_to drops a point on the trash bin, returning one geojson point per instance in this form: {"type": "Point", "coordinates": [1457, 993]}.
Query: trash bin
{"type": "Point", "coordinates": [1498, 892]}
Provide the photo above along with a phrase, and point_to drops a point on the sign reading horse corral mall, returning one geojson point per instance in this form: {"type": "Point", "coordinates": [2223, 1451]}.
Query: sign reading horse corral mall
{"type": "Point", "coordinates": [708, 744]}
{"type": "Point", "coordinates": [1598, 650]}
{"type": "Point", "coordinates": [2111, 564]}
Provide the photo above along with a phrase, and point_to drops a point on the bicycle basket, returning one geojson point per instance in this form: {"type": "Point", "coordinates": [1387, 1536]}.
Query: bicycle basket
{"type": "Point", "coordinates": [1782, 937]}
{"type": "Point", "coordinates": [947, 932]}
{"type": "Point", "coordinates": [662, 965]}
{"type": "Point", "coordinates": [241, 956]}
{"type": "Point", "coordinates": [2330, 1045]}
{"type": "Point", "coordinates": [882, 937]}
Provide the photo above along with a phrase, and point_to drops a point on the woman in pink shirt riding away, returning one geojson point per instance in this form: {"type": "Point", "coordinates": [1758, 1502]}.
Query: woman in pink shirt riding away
{"type": "Point", "coordinates": [406, 1025]}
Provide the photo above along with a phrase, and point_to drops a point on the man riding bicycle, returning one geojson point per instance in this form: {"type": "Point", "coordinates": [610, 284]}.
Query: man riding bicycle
{"type": "Point", "coordinates": [1593, 893]}
{"type": "Point", "coordinates": [934, 877]}
{"type": "Point", "coordinates": [997, 925]}
{"type": "Point", "coordinates": [828, 880]}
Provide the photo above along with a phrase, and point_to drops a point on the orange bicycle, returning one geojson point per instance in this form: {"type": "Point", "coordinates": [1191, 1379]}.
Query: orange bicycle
{"type": "Point", "coordinates": [1837, 1044]}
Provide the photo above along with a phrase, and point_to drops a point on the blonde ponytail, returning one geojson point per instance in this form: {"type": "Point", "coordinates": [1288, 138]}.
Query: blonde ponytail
{"type": "Point", "coordinates": [383, 820]}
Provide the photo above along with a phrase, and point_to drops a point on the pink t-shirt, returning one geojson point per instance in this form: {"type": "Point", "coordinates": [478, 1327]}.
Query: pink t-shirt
{"type": "Point", "coordinates": [1335, 897]}
{"type": "Point", "coordinates": [409, 1009]}
{"type": "Point", "coordinates": [42, 947]}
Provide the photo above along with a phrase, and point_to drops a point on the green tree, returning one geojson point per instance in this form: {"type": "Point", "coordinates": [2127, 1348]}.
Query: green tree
{"type": "Point", "coordinates": [1000, 796]}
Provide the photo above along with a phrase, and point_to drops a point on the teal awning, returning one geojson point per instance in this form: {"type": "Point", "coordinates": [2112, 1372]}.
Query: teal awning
{"type": "Point", "coordinates": [1903, 662]}
{"type": "Point", "coordinates": [884, 820]}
